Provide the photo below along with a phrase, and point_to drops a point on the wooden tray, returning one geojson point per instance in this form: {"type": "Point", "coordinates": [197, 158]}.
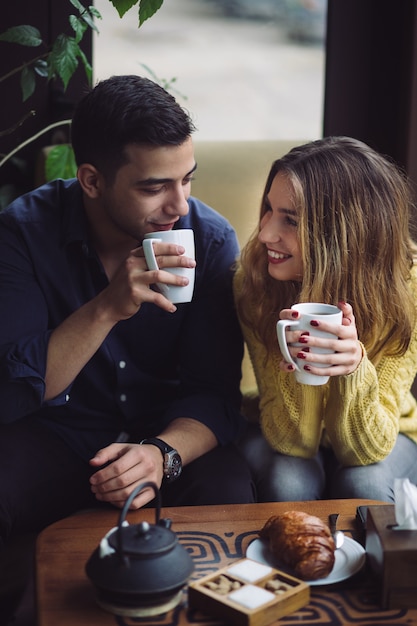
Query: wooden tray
{"type": "Point", "coordinates": [248, 593]}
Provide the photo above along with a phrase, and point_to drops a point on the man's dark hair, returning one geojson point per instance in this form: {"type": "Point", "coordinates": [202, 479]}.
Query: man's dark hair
{"type": "Point", "coordinates": [124, 110]}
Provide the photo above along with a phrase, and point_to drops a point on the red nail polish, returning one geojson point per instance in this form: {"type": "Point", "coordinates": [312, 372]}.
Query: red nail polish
{"type": "Point", "coordinates": [314, 323]}
{"type": "Point", "coordinates": [307, 368]}
{"type": "Point", "coordinates": [294, 314]}
{"type": "Point", "coordinates": [290, 367]}
{"type": "Point", "coordinates": [303, 339]}
{"type": "Point", "coordinates": [301, 355]}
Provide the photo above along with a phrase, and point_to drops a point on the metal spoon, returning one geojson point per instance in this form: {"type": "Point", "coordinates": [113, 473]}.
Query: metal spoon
{"type": "Point", "coordinates": [337, 535]}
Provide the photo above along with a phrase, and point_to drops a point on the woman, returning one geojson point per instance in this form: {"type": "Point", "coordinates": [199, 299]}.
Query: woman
{"type": "Point", "coordinates": [334, 228]}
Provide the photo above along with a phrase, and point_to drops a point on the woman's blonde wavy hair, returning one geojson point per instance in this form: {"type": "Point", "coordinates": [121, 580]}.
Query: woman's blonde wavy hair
{"type": "Point", "coordinates": [354, 208]}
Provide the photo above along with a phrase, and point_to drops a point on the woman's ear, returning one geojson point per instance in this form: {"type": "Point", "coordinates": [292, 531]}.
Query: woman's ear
{"type": "Point", "coordinates": [90, 180]}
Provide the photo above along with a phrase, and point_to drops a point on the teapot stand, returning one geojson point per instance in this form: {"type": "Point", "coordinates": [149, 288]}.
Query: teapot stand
{"type": "Point", "coordinates": [142, 611]}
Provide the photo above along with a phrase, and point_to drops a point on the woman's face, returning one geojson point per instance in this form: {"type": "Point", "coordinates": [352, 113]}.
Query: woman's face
{"type": "Point", "coordinates": [279, 232]}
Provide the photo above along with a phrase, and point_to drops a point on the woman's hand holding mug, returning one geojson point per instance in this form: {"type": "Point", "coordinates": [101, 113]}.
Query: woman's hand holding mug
{"type": "Point", "coordinates": [308, 312]}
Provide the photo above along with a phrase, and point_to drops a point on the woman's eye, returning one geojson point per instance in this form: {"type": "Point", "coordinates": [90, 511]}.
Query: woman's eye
{"type": "Point", "coordinates": [291, 222]}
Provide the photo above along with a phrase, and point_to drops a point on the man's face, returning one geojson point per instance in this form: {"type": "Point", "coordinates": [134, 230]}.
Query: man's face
{"type": "Point", "coordinates": [150, 192]}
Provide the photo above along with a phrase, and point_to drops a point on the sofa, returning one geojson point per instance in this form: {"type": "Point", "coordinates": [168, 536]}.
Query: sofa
{"type": "Point", "coordinates": [230, 177]}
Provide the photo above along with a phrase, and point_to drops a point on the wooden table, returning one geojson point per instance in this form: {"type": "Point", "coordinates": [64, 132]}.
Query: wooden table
{"type": "Point", "coordinates": [215, 536]}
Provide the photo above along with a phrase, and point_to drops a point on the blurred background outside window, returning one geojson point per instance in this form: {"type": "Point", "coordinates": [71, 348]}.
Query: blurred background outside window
{"type": "Point", "coordinates": [245, 69]}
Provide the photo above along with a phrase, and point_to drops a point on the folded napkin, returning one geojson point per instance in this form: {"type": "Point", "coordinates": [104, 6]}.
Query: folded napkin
{"type": "Point", "coordinates": [405, 499]}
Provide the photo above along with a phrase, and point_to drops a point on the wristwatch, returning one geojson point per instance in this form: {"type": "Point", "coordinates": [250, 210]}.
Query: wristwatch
{"type": "Point", "coordinates": [172, 460]}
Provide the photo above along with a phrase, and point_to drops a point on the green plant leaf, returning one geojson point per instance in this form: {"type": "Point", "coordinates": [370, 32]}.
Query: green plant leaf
{"type": "Point", "coordinates": [164, 82]}
{"type": "Point", "coordinates": [86, 14]}
{"type": "Point", "coordinates": [24, 35]}
{"type": "Point", "coordinates": [77, 4]}
{"type": "Point", "coordinates": [78, 26]}
{"type": "Point", "coordinates": [81, 8]}
{"type": "Point", "coordinates": [63, 58]}
{"type": "Point", "coordinates": [27, 82]}
{"type": "Point", "coordinates": [60, 162]}
{"type": "Point", "coordinates": [94, 12]}
{"type": "Point", "coordinates": [87, 67]}
{"type": "Point", "coordinates": [89, 20]}
{"type": "Point", "coordinates": [147, 8]}
{"type": "Point", "coordinates": [122, 6]}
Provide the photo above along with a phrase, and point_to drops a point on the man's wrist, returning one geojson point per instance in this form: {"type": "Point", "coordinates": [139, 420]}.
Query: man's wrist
{"type": "Point", "coordinates": [172, 463]}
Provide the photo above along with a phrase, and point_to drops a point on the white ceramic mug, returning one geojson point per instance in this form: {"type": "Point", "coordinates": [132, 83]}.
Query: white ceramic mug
{"type": "Point", "coordinates": [183, 237]}
{"type": "Point", "coordinates": [308, 311]}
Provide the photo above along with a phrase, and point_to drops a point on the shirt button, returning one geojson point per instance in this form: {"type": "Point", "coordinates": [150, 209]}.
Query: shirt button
{"type": "Point", "coordinates": [67, 398]}
{"type": "Point", "coordinates": [122, 364]}
{"type": "Point", "coordinates": [123, 397]}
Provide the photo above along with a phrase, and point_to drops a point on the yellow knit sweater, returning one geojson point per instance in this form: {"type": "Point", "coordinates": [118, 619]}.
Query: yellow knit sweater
{"type": "Point", "coordinates": [358, 415]}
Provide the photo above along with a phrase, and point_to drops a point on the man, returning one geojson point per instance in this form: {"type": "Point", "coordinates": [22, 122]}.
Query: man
{"type": "Point", "coordinates": [105, 384]}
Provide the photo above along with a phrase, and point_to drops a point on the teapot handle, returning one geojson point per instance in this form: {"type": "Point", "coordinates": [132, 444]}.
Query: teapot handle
{"type": "Point", "coordinates": [125, 509]}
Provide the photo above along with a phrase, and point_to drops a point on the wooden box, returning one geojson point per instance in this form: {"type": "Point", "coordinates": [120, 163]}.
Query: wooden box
{"type": "Point", "coordinates": [248, 593]}
{"type": "Point", "coordinates": [392, 555]}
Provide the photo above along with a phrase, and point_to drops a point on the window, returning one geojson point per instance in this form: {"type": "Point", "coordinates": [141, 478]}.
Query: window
{"type": "Point", "coordinates": [244, 69]}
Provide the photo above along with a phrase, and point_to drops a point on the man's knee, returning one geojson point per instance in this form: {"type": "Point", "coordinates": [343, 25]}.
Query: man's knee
{"type": "Point", "coordinates": [220, 476]}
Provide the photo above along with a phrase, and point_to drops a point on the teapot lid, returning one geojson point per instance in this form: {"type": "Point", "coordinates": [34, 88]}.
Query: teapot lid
{"type": "Point", "coordinates": [144, 540]}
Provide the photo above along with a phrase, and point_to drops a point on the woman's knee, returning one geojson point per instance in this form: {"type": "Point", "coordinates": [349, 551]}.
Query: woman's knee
{"type": "Point", "coordinates": [280, 478]}
{"type": "Point", "coordinates": [281, 484]}
{"type": "Point", "coordinates": [369, 481]}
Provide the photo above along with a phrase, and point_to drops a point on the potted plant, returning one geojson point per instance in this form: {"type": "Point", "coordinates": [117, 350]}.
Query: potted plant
{"type": "Point", "coordinates": [56, 62]}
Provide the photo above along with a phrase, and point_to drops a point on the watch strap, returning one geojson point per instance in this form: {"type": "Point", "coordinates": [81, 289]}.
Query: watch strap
{"type": "Point", "coordinates": [159, 443]}
{"type": "Point", "coordinates": [172, 462]}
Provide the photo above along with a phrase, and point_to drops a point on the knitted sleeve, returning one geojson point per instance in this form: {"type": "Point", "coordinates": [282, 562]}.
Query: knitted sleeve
{"type": "Point", "coordinates": [367, 409]}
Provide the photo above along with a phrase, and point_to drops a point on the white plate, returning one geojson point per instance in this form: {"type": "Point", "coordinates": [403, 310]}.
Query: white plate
{"type": "Point", "coordinates": [349, 559]}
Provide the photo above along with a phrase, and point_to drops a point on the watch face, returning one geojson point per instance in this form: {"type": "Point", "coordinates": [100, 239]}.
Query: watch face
{"type": "Point", "coordinates": [172, 465]}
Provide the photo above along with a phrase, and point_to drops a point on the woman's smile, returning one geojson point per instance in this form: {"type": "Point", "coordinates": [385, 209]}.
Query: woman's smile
{"type": "Point", "coordinates": [277, 257]}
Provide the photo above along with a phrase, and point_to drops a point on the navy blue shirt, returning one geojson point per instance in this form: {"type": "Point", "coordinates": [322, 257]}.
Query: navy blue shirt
{"type": "Point", "coordinates": [151, 368]}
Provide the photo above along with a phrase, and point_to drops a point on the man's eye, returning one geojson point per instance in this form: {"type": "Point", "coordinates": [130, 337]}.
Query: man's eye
{"type": "Point", "coordinates": [152, 190]}
{"type": "Point", "coordinates": [187, 180]}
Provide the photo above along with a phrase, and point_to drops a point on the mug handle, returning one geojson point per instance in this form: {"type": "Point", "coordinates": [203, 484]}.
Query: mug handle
{"type": "Point", "coordinates": [151, 262]}
{"type": "Point", "coordinates": [281, 326]}
{"type": "Point", "coordinates": [147, 245]}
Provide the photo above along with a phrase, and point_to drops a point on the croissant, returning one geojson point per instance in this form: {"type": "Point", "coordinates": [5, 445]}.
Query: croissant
{"type": "Point", "coordinates": [301, 541]}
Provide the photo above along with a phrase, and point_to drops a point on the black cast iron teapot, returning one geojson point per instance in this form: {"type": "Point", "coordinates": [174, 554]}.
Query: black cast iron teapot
{"type": "Point", "coordinates": [139, 570]}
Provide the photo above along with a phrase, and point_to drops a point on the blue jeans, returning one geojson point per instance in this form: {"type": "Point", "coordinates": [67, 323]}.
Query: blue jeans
{"type": "Point", "coordinates": [281, 478]}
